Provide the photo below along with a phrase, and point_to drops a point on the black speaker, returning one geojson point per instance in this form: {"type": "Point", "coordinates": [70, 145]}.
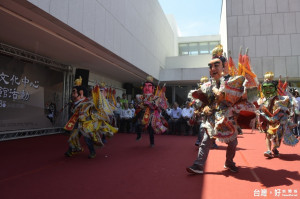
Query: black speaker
{"type": "Point", "coordinates": [84, 75]}
{"type": "Point", "coordinates": [128, 88]}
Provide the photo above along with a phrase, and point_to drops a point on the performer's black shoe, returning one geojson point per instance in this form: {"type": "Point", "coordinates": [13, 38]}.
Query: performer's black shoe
{"type": "Point", "coordinates": [92, 155]}
{"type": "Point", "coordinates": [231, 168]}
{"type": "Point", "coordinates": [68, 154]}
{"type": "Point", "coordinates": [197, 143]}
{"type": "Point", "coordinates": [275, 152]}
{"type": "Point", "coordinates": [195, 169]}
{"type": "Point", "coordinates": [214, 146]}
{"type": "Point", "coordinates": [138, 138]}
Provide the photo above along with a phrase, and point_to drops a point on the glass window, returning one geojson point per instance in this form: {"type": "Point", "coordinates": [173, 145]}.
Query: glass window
{"type": "Point", "coordinates": [183, 49]}
{"type": "Point", "coordinates": [193, 50]}
{"type": "Point", "coordinates": [203, 47]}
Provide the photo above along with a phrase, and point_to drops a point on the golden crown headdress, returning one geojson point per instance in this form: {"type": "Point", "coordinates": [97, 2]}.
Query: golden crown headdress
{"type": "Point", "coordinates": [102, 84]}
{"type": "Point", "coordinates": [269, 76]}
{"type": "Point", "coordinates": [149, 78]}
{"type": "Point", "coordinates": [203, 79]}
{"type": "Point", "coordinates": [217, 51]}
{"type": "Point", "coordinates": [78, 82]}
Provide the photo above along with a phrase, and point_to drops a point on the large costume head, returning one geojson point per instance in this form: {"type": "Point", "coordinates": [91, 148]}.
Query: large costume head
{"type": "Point", "coordinates": [78, 91]}
{"type": "Point", "coordinates": [215, 68]}
{"type": "Point", "coordinates": [269, 86]}
{"type": "Point", "coordinates": [217, 52]}
{"type": "Point", "coordinates": [148, 86]}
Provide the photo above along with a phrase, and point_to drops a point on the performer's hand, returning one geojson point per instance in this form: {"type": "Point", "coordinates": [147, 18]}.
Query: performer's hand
{"type": "Point", "coordinates": [197, 93]}
{"type": "Point", "coordinates": [218, 94]}
{"type": "Point", "coordinates": [207, 110]}
{"type": "Point", "coordinates": [257, 112]}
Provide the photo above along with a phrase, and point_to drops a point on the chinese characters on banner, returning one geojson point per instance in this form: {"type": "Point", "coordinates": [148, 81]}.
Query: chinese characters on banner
{"type": "Point", "coordinates": [9, 85]}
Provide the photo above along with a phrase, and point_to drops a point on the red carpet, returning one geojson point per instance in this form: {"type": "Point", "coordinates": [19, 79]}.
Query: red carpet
{"type": "Point", "coordinates": [36, 168]}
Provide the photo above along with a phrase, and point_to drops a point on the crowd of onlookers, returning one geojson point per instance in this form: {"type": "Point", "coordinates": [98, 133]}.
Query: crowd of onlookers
{"type": "Point", "coordinates": [179, 118]}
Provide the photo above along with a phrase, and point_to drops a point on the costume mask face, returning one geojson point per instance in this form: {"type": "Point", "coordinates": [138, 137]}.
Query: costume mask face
{"type": "Point", "coordinates": [148, 88]}
{"type": "Point", "coordinates": [268, 89]}
{"type": "Point", "coordinates": [75, 96]}
{"type": "Point", "coordinates": [215, 68]}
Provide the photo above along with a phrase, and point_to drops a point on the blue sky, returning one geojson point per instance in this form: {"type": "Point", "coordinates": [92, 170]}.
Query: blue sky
{"type": "Point", "coordinates": [194, 17]}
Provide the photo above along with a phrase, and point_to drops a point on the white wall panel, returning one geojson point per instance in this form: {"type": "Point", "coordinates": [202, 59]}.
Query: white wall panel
{"type": "Point", "coordinates": [290, 23]}
{"type": "Point", "coordinates": [109, 31]}
{"type": "Point", "coordinates": [89, 19]}
{"type": "Point", "coordinates": [75, 17]}
{"type": "Point", "coordinates": [249, 42]}
{"type": "Point", "coordinates": [273, 45]}
{"type": "Point", "coordinates": [106, 3]}
{"type": "Point", "coordinates": [236, 7]}
{"type": "Point", "coordinates": [268, 64]}
{"type": "Point", "coordinates": [280, 67]}
{"type": "Point", "coordinates": [271, 6]}
{"type": "Point", "coordinates": [100, 24]}
{"type": "Point", "coordinates": [283, 5]}
{"type": "Point", "coordinates": [243, 25]}
{"type": "Point", "coordinates": [295, 44]}
{"type": "Point", "coordinates": [294, 5]}
{"type": "Point", "coordinates": [266, 25]}
{"type": "Point", "coordinates": [292, 64]}
{"type": "Point", "coordinates": [278, 23]}
{"type": "Point", "coordinates": [248, 7]}
{"type": "Point", "coordinates": [285, 45]}
{"type": "Point", "coordinates": [259, 6]}
{"type": "Point", "coordinates": [60, 9]}
{"type": "Point", "coordinates": [254, 24]}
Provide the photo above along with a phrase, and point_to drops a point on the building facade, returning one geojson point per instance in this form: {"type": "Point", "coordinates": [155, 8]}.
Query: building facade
{"type": "Point", "coordinates": [271, 31]}
{"type": "Point", "coordinates": [44, 44]}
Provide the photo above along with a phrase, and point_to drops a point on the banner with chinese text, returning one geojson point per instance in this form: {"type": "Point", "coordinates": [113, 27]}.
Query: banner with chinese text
{"type": "Point", "coordinates": [30, 95]}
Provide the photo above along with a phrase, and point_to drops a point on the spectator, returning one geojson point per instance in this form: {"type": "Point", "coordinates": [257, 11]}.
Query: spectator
{"type": "Point", "coordinates": [187, 114]}
{"type": "Point", "coordinates": [131, 107]}
{"type": "Point", "coordinates": [175, 118]}
{"type": "Point", "coordinates": [124, 100]}
{"type": "Point", "coordinates": [126, 117]}
{"type": "Point", "coordinates": [117, 111]}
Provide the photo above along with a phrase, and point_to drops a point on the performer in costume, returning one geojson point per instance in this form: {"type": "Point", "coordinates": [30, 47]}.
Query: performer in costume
{"type": "Point", "coordinates": [199, 117]}
{"type": "Point", "coordinates": [90, 118]}
{"type": "Point", "coordinates": [274, 111]}
{"type": "Point", "coordinates": [223, 98]}
{"type": "Point", "coordinates": [148, 112]}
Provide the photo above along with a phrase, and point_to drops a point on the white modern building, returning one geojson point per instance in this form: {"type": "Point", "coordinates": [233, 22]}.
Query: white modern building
{"type": "Point", "coordinates": [45, 44]}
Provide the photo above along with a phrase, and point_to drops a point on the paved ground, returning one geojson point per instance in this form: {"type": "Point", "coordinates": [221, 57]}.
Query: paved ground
{"type": "Point", "coordinates": [36, 168]}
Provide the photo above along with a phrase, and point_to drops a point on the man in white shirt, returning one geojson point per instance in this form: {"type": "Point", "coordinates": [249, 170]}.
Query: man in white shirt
{"type": "Point", "coordinates": [126, 117]}
{"type": "Point", "coordinates": [117, 111]}
{"type": "Point", "coordinates": [131, 107]}
{"type": "Point", "coordinates": [187, 114]}
{"type": "Point", "coordinates": [175, 119]}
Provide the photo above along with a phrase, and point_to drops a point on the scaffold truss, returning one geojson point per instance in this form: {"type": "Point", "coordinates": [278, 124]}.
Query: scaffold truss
{"type": "Point", "coordinates": [11, 135]}
{"type": "Point", "coordinates": [23, 54]}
